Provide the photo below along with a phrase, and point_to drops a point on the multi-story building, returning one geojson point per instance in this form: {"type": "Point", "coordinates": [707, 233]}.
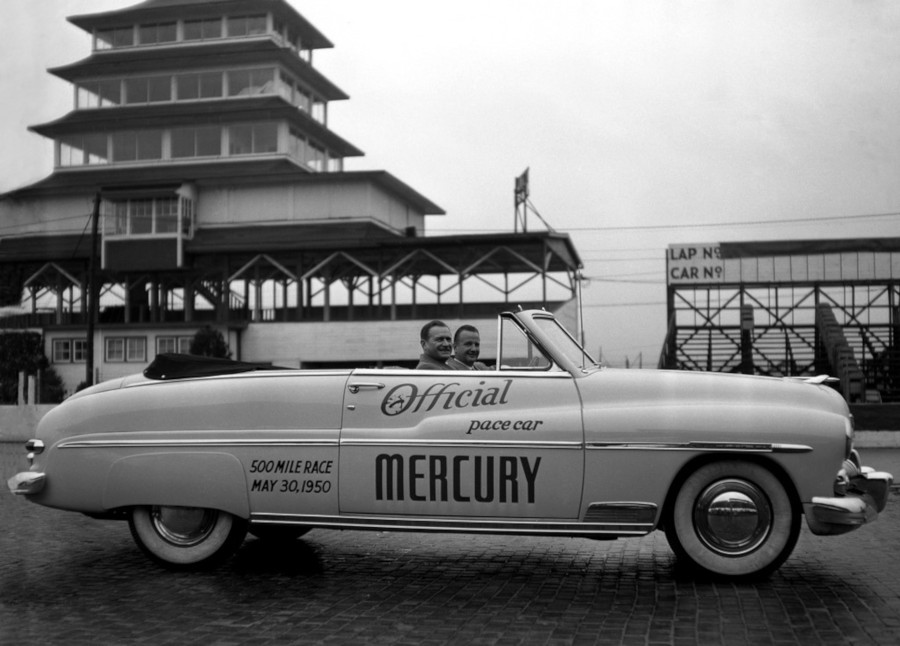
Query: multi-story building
{"type": "Point", "coordinates": [200, 129]}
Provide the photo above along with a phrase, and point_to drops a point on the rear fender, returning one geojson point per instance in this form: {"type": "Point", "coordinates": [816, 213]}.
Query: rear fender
{"type": "Point", "coordinates": [211, 480]}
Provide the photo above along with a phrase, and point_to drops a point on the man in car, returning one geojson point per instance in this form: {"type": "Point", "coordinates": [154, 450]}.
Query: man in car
{"type": "Point", "coordinates": [466, 348]}
{"type": "Point", "coordinates": [437, 346]}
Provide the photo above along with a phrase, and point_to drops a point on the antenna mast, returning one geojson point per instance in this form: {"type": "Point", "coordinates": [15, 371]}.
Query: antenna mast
{"type": "Point", "coordinates": [521, 197]}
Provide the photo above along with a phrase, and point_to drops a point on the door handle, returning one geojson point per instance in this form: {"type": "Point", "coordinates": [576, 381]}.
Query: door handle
{"type": "Point", "coordinates": [355, 388]}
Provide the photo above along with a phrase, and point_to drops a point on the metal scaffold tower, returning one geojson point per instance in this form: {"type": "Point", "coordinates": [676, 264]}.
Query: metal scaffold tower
{"type": "Point", "coordinates": [788, 308]}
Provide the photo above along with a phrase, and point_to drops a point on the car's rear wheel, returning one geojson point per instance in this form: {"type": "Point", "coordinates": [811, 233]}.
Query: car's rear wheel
{"type": "Point", "coordinates": [733, 518]}
{"type": "Point", "coordinates": [186, 537]}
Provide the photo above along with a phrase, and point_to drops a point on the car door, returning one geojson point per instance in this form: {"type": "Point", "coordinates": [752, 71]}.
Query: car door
{"type": "Point", "coordinates": [497, 444]}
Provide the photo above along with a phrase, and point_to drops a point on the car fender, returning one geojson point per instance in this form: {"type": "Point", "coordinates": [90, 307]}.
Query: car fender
{"type": "Point", "coordinates": [179, 479]}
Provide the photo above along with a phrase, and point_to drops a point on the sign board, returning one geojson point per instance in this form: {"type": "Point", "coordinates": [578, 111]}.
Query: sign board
{"type": "Point", "coordinates": [694, 264]}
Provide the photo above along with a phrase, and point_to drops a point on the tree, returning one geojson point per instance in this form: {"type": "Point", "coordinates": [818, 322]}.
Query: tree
{"type": "Point", "coordinates": [24, 352]}
{"type": "Point", "coordinates": [208, 342]}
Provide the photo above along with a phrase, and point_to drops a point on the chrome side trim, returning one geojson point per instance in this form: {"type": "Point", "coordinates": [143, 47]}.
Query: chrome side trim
{"type": "Point", "coordinates": [249, 374]}
{"type": "Point", "coordinates": [84, 444]}
{"type": "Point", "coordinates": [622, 513]}
{"type": "Point", "coordinates": [523, 444]}
{"type": "Point", "coordinates": [455, 525]}
{"type": "Point", "coordinates": [739, 447]}
{"type": "Point", "coordinates": [94, 444]}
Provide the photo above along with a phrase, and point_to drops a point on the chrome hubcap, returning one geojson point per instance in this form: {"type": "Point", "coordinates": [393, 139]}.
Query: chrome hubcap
{"type": "Point", "coordinates": [732, 517]}
{"type": "Point", "coordinates": [183, 526]}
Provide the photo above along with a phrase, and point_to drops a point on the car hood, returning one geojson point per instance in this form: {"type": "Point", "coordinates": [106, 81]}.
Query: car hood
{"type": "Point", "coordinates": [652, 388]}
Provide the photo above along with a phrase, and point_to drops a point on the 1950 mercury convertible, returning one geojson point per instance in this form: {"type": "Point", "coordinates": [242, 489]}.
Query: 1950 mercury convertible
{"type": "Point", "coordinates": [195, 453]}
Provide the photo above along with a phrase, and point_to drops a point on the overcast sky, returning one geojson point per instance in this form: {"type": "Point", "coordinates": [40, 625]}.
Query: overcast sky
{"type": "Point", "coordinates": [643, 122]}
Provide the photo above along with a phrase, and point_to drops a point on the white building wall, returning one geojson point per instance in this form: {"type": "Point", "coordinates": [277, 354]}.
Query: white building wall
{"type": "Point", "coordinates": [299, 203]}
{"type": "Point", "coordinates": [46, 215]}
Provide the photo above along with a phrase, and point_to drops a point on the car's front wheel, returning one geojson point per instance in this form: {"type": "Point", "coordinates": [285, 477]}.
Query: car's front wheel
{"type": "Point", "coordinates": [733, 518]}
{"type": "Point", "coordinates": [186, 537]}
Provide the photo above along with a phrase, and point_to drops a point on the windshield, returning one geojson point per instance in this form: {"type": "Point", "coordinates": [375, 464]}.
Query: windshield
{"type": "Point", "coordinates": [562, 340]}
{"type": "Point", "coordinates": [518, 351]}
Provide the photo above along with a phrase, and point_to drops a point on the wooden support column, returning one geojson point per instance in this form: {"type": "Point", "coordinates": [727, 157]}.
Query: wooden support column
{"type": "Point", "coordinates": [393, 280]}
{"type": "Point", "coordinates": [60, 297]}
{"type": "Point", "coordinates": [154, 299]}
{"type": "Point", "coordinates": [350, 284]}
{"type": "Point", "coordinates": [189, 296]}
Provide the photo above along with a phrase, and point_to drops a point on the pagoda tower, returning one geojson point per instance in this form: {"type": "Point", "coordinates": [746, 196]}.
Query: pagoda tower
{"type": "Point", "coordinates": [200, 130]}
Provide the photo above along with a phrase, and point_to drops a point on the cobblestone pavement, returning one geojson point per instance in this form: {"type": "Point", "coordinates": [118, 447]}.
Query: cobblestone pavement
{"type": "Point", "coordinates": [67, 579]}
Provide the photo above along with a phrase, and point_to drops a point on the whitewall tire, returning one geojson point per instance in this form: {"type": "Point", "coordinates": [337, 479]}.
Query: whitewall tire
{"type": "Point", "coordinates": [186, 537]}
{"type": "Point", "coordinates": [733, 518]}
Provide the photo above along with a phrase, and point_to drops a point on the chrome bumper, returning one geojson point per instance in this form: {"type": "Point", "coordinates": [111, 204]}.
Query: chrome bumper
{"type": "Point", "coordinates": [26, 483]}
{"type": "Point", "coordinates": [864, 496]}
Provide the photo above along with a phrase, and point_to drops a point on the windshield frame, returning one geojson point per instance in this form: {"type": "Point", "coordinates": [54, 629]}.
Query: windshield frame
{"type": "Point", "coordinates": [553, 339]}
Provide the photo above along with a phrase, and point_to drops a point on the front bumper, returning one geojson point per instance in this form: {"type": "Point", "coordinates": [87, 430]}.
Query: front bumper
{"type": "Point", "coordinates": [26, 483]}
{"type": "Point", "coordinates": [864, 494]}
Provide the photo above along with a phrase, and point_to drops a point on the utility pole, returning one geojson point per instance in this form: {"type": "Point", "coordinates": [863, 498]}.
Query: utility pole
{"type": "Point", "coordinates": [92, 292]}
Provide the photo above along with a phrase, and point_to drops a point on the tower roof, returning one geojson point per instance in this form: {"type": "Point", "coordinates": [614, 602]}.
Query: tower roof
{"type": "Point", "coordinates": [165, 9]}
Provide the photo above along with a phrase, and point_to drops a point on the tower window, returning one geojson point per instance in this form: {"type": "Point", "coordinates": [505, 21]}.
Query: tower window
{"type": "Point", "coordinates": [247, 25]}
{"type": "Point", "coordinates": [253, 138]}
{"type": "Point", "coordinates": [202, 29]}
{"type": "Point", "coordinates": [158, 33]}
{"type": "Point", "coordinates": [134, 145]}
{"type": "Point", "coordinates": [204, 141]}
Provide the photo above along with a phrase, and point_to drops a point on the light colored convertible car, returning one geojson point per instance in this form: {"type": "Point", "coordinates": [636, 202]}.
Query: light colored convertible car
{"type": "Point", "coordinates": [195, 453]}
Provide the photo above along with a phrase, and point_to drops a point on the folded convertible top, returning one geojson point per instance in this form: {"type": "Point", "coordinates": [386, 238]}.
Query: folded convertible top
{"type": "Point", "coordinates": [168, 366]}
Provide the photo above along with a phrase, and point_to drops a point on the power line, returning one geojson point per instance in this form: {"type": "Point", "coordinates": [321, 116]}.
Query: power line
{"type": "Point", "coordinates": [597, 279]}
{"type": "Point", "coordinates": [659, 258]}
{"type": "Point", "coordinates": [45, 222]}
{"type": "Point", "coordinates": [698, 225]}
{"type": "Point", "coordinates": [611, 305]}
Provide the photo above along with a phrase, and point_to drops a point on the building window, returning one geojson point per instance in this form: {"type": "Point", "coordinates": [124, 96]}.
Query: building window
{"type": "Point", "coordinates": [151, 89]}
{"type": "Point", "coordinates": [79, 350]}
{"type": "Point", "coordinates": [251, 82]}
{"type": "Point", "coordinates": [202, 29]}
{"type": "Point", "coordinates": [246, 26]}
{"type": "Point", "coordinates": [81, 150]}
{"type": "Point", "coordinates": [115, 37]}
{"type": "Point", "coordinates": [166, 215]}
{"type": "Point", "coordinates": [136, 145]}
{"type": "Point", "coordinates": [205, 141]}
{"type": "Point", "coordinates": [317, 158]}
{"type": "Point", "coordinates": [62, 350]}
{"type": "Point", "coordinates": [159, 33]}
{"type": "Point", "coordinates": [176, 344]}
{"type": "Point", "coordinates": [253, 138]}
{"type": "Point", "coordinates": [202, 85]}
{"type": "Point", "coordinates": [126, 349]}
{"type": "Point", "coordinates": [99, 94]}
{"type": "Point", "coordinates": [145, 216]}
{"type": "Point", "coordinates": [193, 86]}
{"type": "Point", "coordinates": [69, 350]}
{"type": "Point", "coordinates": [141, 217]}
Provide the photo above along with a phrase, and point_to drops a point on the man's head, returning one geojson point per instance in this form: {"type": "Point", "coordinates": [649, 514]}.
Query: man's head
{"type": "Point", "coordinates": [467, 344]}
{"type": "Point", "coordinates": [436, 341]}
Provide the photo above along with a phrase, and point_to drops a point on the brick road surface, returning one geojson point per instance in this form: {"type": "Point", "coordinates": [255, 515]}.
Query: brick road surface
{"type": "Point", "coordinates": [67, 579]}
